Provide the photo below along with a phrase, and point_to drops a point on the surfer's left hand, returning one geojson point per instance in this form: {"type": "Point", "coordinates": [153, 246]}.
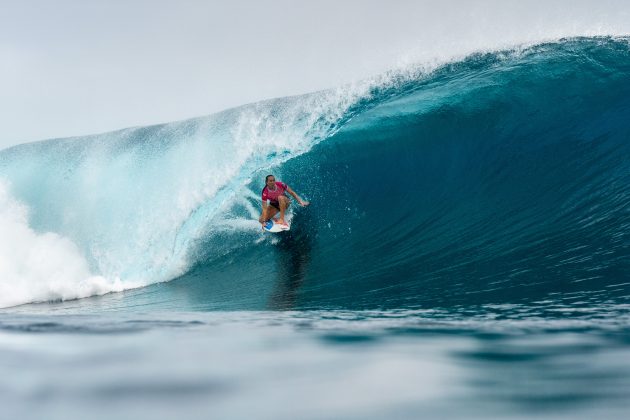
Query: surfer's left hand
{"type": "Point", "coordinates": [304, 203]}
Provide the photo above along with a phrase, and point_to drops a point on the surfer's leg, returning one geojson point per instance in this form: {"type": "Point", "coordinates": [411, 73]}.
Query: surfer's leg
{"type": "Point", "coordinates": [284, 203]}
{"type": "Point", "coordinates": [268, 213]}
{"type": "Point", "coordinates": [272, 211]}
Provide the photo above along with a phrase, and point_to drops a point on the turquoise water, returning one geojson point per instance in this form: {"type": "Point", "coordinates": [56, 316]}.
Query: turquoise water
{"type": "Point", "coordinates": [465, 254]}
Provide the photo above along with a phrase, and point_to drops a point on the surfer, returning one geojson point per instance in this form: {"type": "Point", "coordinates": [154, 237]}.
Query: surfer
{"type": "Point", "coordinates": [274, 200]}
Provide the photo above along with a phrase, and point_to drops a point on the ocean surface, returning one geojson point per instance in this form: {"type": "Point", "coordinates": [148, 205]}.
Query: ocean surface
{"type": "Point", "coordinates": [466, 253]}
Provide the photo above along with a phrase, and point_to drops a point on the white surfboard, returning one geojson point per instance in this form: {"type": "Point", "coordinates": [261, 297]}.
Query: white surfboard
{"type": "Point", "coordinates": [273, 227]}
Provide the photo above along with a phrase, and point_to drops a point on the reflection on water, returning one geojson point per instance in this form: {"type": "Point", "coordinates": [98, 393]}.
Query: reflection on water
{"type": "Point", "coordinates": [293, 256]}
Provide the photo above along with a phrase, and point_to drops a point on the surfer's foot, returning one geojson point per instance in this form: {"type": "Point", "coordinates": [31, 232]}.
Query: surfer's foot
{"type": "Point", "coordinates": [281, 222]}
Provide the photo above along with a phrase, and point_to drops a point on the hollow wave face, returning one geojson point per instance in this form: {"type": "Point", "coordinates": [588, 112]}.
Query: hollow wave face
{"type": "Point", "coordinates": [500, 178]}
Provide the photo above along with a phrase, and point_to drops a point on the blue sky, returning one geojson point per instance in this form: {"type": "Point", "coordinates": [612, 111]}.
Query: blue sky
{"type": "Point", "coordinates": [76, 67]}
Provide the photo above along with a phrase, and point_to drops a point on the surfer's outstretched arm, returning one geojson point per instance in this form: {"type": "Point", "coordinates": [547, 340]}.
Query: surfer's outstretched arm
{"type": "Point", "coordinates": [299, 200]}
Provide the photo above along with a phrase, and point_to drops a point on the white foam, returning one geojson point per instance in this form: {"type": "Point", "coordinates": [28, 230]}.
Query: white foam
{"type": "Point", "coordinates": [40, 266]}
